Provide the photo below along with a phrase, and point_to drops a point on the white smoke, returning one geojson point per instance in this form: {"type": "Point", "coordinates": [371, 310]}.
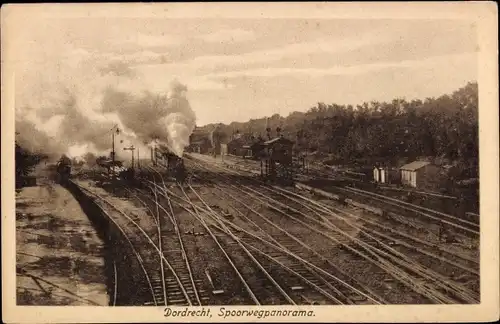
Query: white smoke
{"type": "Point", "coordinates": [72, 108]}
{"type": "Point", "coordinates": [180, 119]}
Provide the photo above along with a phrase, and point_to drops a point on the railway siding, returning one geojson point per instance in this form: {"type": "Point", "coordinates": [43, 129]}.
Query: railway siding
{"type": "Point", "coordinates": [264, 244]}
{"type": "Point", "coordinates": [130, 282]}
{"type": "Point", "coordinates": [404, 259]}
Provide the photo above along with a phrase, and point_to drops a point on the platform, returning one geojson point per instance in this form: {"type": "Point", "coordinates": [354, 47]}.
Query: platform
{"type": "Point", "coordinates": [60, 258]}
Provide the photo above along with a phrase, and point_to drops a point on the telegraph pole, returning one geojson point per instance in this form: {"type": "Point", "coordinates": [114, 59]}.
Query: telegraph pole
{"type": "Point", "coordinates": [113, 153]}
{"type": "Point", "coordinates": [138, 158]}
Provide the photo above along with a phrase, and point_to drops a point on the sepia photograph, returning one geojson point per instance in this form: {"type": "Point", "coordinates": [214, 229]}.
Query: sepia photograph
{"type": "Point", "coordinates": [186, 162]}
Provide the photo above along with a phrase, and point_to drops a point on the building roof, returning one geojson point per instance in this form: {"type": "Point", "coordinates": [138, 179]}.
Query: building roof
{"type": "Point", "coordinates": [277, 139]}
{"type": "Point", "coordinates": [415, 165]}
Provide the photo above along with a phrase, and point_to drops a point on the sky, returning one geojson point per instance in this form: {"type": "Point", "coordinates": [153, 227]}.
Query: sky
{"type": "Point", "coordinates": [237, 69]}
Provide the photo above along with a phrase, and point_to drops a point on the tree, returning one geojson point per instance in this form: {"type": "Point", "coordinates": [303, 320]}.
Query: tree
{"type": "Point", "coordinates": [446, 126]}
{"type": "Point", "coordinates": [25, 161]}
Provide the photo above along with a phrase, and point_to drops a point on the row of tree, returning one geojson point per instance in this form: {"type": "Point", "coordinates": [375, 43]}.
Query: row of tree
{"type": "Point", "coordinates": [445, 127]}
{"type": "Point", "coordinates": [25, 162]}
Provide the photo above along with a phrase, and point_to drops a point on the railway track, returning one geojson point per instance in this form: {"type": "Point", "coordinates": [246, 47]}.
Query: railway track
{"type": "Point", "coordinates": [162, 259]}
{"type": "Point", "coordinates": [298, 280]}
{"type": "Point", "coordinates": [459, 224]}
{"type": "Point", "coordinates": [135, 241]}
{"type": "Point", "coordinates": [462, 226]}
{"type": "Point", "coordinates": [377, 249]}
{"type": "Point", "coordinates": [285, 268]}
{"type": "Point", "coordinates": [397, 236]}
{"type": "Point", "coordinates": [229, 248]}
{"type": "Point", "coordinates": [292, 275]}
{"type": "Point", "coordinates": [286, 241]}
{"type": "Point", "coordinates": [180, 286]}
{"type": "Point", "coordinates": [257, 289]}
{"type": "Point", "coordinates": [395, 219]}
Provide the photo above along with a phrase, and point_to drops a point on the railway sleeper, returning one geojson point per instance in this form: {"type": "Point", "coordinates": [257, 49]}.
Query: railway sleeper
{"type": "Point", "coordinates": [178, 302]}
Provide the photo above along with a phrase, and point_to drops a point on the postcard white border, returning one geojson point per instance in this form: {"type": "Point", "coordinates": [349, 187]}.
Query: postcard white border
{"type": "Point", "coordinates": [485, 14]}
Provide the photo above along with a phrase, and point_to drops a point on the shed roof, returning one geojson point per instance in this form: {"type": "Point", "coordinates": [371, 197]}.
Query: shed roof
{"type": "Point", "coordinates": [415, 165]}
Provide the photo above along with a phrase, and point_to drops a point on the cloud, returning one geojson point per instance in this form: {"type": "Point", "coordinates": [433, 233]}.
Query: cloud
{"type": "Point", "coordinates": [324, 45]}
{"type": "Point", "coordinates": [228, 35]}
{"type": "Point", "coordinates": [454, 60]}
{"type": "Point", "coordinates": [118, 68]}
{"type": "Point", "coordinates": [138, 58]}
{"type": "Point", "coordinates": [145, 40]}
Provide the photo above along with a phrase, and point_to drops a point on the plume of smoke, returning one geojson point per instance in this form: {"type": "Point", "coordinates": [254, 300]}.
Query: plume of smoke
{"type": "Point", "coordinates": [72, 110]}
{"type": "Point", "coordinates": [179, 118]}
{"type": "Point", "coordinates": [167, 119]}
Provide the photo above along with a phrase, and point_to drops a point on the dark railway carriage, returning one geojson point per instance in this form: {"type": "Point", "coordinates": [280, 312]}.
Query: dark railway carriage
{"type": "Point", "coordinates": [63, 169]}
{"type": "Point", "coordinates": [174, 164]}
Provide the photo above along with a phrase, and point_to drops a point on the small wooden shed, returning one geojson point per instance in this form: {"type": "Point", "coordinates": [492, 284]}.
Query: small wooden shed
{"type": "Point", "coordinates": [418, 173]}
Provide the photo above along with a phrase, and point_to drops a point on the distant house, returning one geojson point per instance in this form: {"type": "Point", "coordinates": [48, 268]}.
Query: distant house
{"type": "Point", "coordinates": [418, 173]}
{"type": "Point", "coordinates": [279, 149]}
{"type": "Point", "coordinates": [202, 146]}
{"type": "Point", "coordinates": [235, 146]}
{"type": "Point", "coordinates": [199, 141]}
{"type": "Point", "coordinates": [254, 150]}
{"type": "Point", "coordinates": [277, 158]}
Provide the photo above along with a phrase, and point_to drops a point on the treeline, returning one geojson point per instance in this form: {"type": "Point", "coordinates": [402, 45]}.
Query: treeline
{"type": "Point", "coordinates": [25, 162]}
{"type": "Point", "coordinates": [445, 127]}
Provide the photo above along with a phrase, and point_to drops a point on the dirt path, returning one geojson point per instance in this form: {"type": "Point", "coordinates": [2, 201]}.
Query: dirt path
{"type": "Point", "coordinates": [60, 259]}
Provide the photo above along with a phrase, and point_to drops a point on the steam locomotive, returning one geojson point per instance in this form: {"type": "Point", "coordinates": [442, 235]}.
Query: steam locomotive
{"type": "Point", "coordinates": [63, 169]}
{"type": "Point", "coordinates": [173, 163]}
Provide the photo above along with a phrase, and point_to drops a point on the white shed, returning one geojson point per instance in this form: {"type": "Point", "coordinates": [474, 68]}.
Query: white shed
{"type": "Point", "coordinates": [384, 175]}
{"type": "Point", "coordinates": [417, 173]}
{"type": "Point", "coordinates": [376, 174]}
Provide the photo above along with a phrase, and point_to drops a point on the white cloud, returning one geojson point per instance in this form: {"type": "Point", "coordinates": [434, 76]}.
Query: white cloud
{"type": "Point", "coordinates": [131, 41]}
{"type": "Point", "coordinates": [157, 79]}
{"type": "Point", "coordinates": [454, 61]}
{"type": "Point", "coordinates": [143, 57]}
{"type": "Point", "coordinates": [228, 35]}
{"type": "Point", "coordinates": [292, 50]}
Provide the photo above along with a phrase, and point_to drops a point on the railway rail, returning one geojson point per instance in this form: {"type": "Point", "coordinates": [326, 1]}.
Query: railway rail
{"type": "Point", "coordinates": [471, 228]}
{"type": "Point", "coordinates": [228, 249]}
{"type": "Point", "coordinates": [283, 262]}
{"type": "Point", "coordinates": [272, 264]}
{"type": "Point", "coordinates": [169, 279]}
{"type": "Point", "coordinates": [380, 250]}
{"type": "Point", "coordinates": [468, 227]}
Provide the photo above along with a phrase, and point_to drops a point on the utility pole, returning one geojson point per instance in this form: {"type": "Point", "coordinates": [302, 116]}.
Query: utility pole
{"type": "Point", "coordinates": [113, 153]}
{"type": "Point", "coordinates": [131, 149]}
{"type": "Point", "coordinates": [138, 158]}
